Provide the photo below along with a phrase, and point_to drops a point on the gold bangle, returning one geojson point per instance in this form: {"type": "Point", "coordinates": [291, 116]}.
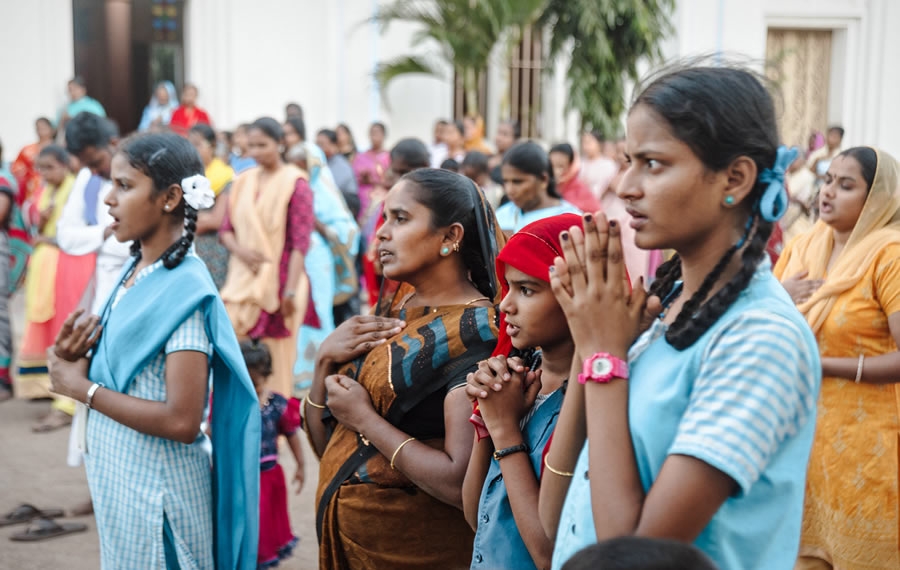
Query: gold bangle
{"type": "Point", "coordinates": [313, 404]}
{"type": "Point", "coordinates": [556, 471]}
{"type": "Point", "coordinates": [399, 447]}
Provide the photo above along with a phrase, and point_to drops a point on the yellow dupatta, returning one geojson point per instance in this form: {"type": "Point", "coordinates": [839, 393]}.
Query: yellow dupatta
{"type": "Point", "coordinates": [40, 282]}
{"type": "Point", "coordinates": [878, 226]}
{"type": "Point", "coordinates": [259, 217]}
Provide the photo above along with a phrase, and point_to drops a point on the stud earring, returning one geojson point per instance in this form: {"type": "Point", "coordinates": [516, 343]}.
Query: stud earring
{"type": "Point", "coordinates": [729, 200]}
{"type": "Point", "coordinates": [456, 247]}
{"type": "Point", "coordinates": [445, 250]}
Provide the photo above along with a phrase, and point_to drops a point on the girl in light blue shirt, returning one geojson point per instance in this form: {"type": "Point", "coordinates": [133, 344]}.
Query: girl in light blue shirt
{"type": "Point", "coordinates": [694, 412]}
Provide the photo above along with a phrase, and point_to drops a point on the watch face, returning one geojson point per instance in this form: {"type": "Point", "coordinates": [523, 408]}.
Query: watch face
{"type": "Point", "coordinates": [601, 367]}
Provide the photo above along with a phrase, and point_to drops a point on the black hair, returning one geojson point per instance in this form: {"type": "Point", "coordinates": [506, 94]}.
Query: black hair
{"type": "Point", "coordinates": [459, 126]}
{"type": "Point", "coordinates": [269, 127]}
{"type": "Point", "coordinates": [86, 130]}
{"type": "Point", "coordinates": [639, 553]}
{"type": "Point", "coordinates": [295, 106]}
{"type": "Point", "coordinates": [413, 152]}
{"type": "Point", "coordinates": [452, 199]}
{"type": "Point", "coordinates": [349, 134]}
{"type": "Point", "coordinates": [868, 162]}
{"type": "Point", "coordinates": [596, 135]}
{"type": "Point", "coordinates": [442, 122]}
{"type": "Point", "coordinates": [45, 120]}
{"type": "Point", "coordinates": [79, 80]}
{"type": "Point", "coordinates": [257, 357]}
{"type": "Point", "coordinates": [516, 127]}
{"type": "Point", "coordinates": [205, 131]}
{"type": "Point", "coordinates": [379, 125]}
{"type": "Point", "coordinates": [477, 161]}
{"type": "Point", "coordinates": [298, 125]}
{"type": "Point", "coordinates": [530, 158]}
{"type": "Point", "coordinates": [838, 129]}
{"type": "Point", "coordinates": [56, 152]}
{"type": "Point", "coordinates": [566, 149]}
{"type": "Point", "coordinates": [450, 164]}
{"type": "Point", "coordinates": [721, 113]}
{"type": "Point", "coordinates": [328, 134]}
{"type": "Point", "coordinates": [167, 159]}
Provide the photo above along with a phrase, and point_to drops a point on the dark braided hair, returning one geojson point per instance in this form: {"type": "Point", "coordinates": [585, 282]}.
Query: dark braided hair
{"type": "Point", "coordinates": [722, 114]}
{"type": "Point", "coordinates": [453, 198]}
{"type": "Point", "coordinates": [167, 159]}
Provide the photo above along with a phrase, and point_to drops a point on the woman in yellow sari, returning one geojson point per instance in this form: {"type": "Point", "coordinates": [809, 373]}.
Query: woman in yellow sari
{"type": "Point", "coordinates": [473, 132]}
{"type": "Point", "coordinates": [845, 277]}
{"type": "Point", "coordinates": [385, 413]}
{"type": "Point", "coordinates": [267, 230]}
{"type": "Point", "coordinates": [54, 285]}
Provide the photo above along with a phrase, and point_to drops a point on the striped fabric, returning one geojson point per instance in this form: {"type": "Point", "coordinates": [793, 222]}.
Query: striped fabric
{"type": "Point", "coordinates": [138, 482]}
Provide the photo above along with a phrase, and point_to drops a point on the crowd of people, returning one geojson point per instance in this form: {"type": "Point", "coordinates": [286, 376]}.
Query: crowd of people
{"type": "Point", "coordinates": [674, 350]}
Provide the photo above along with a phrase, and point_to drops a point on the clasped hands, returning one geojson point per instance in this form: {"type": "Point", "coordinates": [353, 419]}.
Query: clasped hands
{"type": "Point", "coordinates": [67, 360]}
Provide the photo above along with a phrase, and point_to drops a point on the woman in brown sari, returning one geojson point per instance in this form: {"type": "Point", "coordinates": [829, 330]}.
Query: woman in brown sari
{"type": "Point", "coordinates": [394, 437]}
{"type": "Point", "coordinates": [267, 231]}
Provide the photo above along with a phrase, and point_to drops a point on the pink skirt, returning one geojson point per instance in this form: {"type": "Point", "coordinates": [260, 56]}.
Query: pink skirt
{"type": "Point", "coordinates": [276, 541]}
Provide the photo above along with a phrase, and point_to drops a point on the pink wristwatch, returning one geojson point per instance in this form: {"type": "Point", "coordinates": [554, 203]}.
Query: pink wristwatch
{"type": "Point", "coordinates": [603, 368]}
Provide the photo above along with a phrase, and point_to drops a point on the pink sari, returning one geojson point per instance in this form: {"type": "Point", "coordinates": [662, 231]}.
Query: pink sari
{"type": "Point", "coordinates": [369, 168]}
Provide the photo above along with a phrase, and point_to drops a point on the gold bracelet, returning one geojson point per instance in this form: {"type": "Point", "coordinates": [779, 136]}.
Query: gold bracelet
{"type": "Point", "coordinates": [556, 471]}
{"type": "Point", "coordinates": [859, 368]}
{"type": "Point", "coordinates": [313, 404]}
{"type": "Point", "coordinates": [399, 447]}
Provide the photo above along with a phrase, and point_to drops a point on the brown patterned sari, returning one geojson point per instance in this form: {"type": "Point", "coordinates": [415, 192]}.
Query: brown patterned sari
{"type": "Point", "coordinates": [376, 517]}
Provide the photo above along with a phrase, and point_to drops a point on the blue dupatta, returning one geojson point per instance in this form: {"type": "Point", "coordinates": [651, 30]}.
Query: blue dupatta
{"type": "Point", "coordinates": [136, 331]}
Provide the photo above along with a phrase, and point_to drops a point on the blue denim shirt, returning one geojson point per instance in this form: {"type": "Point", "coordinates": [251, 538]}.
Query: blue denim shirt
{"type": "Point", "coordinates": [498, 544]}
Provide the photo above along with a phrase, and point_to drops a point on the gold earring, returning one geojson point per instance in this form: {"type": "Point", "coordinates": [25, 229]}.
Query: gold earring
{"type": "Point", "coordinates": [456, 247]}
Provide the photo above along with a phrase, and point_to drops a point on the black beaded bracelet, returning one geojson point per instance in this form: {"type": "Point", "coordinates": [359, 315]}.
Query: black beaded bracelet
{"type": "Point", "coordinates": [501, 453]}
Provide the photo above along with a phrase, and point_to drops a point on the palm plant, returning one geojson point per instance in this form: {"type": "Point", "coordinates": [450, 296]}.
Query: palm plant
{"type": "Point", "coordinates": [465, 32]}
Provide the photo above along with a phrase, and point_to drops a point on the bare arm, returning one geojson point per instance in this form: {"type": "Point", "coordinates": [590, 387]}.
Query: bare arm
{"type": "Point", "coordinates": [882, 369]}
{"type": "Point", "coordinates": [295, 270]}
{"type": "Point", "coordinates": [177, 418]}
{"type": "Point", "coordinates": [297, 451]}
{"type": "Point", "coordinates": [209, 221]}
{"type": "Point", "coordinates": [568, 439]}
{"type": "Point", "coordinates": [476, 474]}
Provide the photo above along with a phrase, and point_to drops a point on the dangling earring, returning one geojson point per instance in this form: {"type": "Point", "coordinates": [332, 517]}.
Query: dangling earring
{"type": "Point", "coordinates": [729, 200]}
{"type": "Point", "coordinates": [456, 247]}
{"type": "Point", "coordinates": [445, 251]}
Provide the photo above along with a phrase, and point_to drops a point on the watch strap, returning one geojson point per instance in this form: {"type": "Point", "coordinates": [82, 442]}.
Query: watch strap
{"type": "Point", "coordinates": [501, 453]}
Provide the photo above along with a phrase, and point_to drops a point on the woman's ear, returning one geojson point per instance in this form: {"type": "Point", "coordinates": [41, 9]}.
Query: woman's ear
{"type": "Point", "coordinates": [740, 178]}
{"type": "Point", "coordinates": [172, 197]}
{"type": "Point", "coordinates": [454, 234]}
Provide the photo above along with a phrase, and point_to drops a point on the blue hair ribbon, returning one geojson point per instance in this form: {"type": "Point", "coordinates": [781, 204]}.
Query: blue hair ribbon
{"type": "Point", "coordinates": [774, 201]}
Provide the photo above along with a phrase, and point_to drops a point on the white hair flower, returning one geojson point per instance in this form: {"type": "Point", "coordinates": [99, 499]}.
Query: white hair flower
{"type": "Point", "coordinates": [198, 193]}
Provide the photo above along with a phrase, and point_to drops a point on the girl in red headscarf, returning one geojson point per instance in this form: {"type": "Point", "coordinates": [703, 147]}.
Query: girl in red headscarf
{"type": "Point", "coordinates": [518, 395]}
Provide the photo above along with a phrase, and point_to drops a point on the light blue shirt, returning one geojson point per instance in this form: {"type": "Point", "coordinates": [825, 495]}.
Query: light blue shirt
{"type": "Point", "coordinates": [512, 219]}
{"type": "Point", "coordinates": [742, 399]}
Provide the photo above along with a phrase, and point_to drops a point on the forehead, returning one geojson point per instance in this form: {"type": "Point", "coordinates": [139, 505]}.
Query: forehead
{"type": "Point", "coordinates": [120, 167]}
{"type": "Point", "coordinates": [510, 171]}
{"type": "Point", "coordinates": [517, 275]}
{"type": "Point", "coordinates": [645, 127]}
{"type": "Point", "coordinates": [844, 166]}
{"type": "Point", "coordinates": [402, 196]}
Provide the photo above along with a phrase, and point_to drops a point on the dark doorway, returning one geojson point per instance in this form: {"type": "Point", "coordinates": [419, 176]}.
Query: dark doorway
{"type": "Point", "coordinates": [123, 48]}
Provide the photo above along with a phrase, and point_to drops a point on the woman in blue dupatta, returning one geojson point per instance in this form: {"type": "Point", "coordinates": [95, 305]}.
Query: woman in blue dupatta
{"type": "Point", "coordinates": [165, 335]}
{"type": "Point", "coordinates": [335, 224]}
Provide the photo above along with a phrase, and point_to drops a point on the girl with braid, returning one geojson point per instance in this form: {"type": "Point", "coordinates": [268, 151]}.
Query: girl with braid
{"type": "Point", "coordinates": [693, 413]}
{"type": "Point", "coordinates": [166, 341]}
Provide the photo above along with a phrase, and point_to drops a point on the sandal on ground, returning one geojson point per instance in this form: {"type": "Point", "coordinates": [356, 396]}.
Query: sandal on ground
{"type": "Point", "coordinates": [54, 420]}
{"type": "Point", "coordinates": [26, 513]}
{"type": "Point", "coordinates": [42, 529]}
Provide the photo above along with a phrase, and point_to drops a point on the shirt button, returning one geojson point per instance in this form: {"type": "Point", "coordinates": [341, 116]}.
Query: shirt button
{"type": "Point", "coordinates": [573, 529]}
{"type": "Point", "coordinates": [478, 558]}
{"type": "Point", "coordinates": [485, 518]}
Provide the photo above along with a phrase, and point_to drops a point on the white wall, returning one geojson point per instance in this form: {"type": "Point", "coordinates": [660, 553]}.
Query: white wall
{"type": "Point", "coordinates": [38, 54]}
{"type": "Point", "coordinates": [865, 86]}
{"type": "Point", "coordinates": [251, 58]}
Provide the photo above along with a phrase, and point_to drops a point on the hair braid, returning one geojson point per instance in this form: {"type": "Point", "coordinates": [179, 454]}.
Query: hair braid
{"type": "Point", "coordinates": [697, 317]}
{"type": "Point", "coordinates": [176, 252]}
{"type": "Point", "coordinates": [666, 276]}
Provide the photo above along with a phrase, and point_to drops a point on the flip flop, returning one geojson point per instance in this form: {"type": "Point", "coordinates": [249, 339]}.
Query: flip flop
{"type": "Point", "coordinates": [26, 513]}
{"type": "Point", "coordinates": [42, 529]}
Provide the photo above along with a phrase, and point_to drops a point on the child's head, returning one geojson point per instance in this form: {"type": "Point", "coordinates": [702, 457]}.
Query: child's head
{"type": "Point", "coordinates": [528, 175]}
{"type": "Point", "coordinates": [150, 173]}
{"type": "Point", "coordinates": [53, 164]}
{"type": "Point", "coordinates": [203, 139]}
{"type": "Point", "coordinates": [475, 167]}
{"type": "Point", "coordinates": [638, 553]}
{"type": "Point", "coordinates": [532, 316]}
{"type": "Point", "coordinates": [259, 362]}
{"type": "Point", "coordinates": [702, 143]}
{"type": "Point", "coordinates": [562, 156]}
